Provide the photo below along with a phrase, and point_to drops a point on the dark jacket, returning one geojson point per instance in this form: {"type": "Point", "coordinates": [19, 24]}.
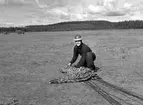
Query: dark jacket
{"type": "Point", "coordinates": [79, 50]}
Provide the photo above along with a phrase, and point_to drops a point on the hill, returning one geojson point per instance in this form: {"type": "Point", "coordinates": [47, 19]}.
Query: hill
{"type": "Point", "coordinates": [78, 25]}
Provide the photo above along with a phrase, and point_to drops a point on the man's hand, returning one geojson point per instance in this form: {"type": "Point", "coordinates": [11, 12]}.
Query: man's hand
{"type": "Point", "coordinates": [69, 64]}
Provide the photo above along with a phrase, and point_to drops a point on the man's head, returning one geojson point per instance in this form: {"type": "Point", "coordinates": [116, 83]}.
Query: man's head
{"type": "Point", "coordinates": [78, 40]}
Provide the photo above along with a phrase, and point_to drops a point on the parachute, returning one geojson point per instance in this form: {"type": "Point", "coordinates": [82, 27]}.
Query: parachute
{"type": "Point", "coordinates": [73, 74]}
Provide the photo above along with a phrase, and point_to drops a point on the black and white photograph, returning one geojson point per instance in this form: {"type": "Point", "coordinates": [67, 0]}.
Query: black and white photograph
{"type": "Point", "coordinates": [71, 52]}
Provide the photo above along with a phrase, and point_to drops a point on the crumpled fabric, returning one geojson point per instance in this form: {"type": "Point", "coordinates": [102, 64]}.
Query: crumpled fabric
{"type": "Point", "coordinates": [73, 74]}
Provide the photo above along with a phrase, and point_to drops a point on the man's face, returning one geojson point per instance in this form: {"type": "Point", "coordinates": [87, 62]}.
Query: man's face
{"type": "Point", "coordinates": [78, 42]}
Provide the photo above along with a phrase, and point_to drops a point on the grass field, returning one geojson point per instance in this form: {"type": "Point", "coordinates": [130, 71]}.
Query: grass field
{"type": "Point", "coordinates": [29, 61]}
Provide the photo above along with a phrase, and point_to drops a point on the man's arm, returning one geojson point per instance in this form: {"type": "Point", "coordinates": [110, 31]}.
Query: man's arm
{"type": "Point", "coordinates": [75, 55]}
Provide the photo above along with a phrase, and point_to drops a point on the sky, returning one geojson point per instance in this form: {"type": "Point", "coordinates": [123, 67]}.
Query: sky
{"type": "Point", "coordinates": [43, 12]}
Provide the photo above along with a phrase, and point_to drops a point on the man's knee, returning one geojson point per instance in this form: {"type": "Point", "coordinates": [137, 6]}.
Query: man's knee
{"type": "Point", "coordinates": [91, 56]}
{"type": "Point", "coordinates": [94, 56]}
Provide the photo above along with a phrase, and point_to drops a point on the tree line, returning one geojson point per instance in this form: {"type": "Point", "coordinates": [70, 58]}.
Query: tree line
{"type": "Point", "coordinates": [76, 25]}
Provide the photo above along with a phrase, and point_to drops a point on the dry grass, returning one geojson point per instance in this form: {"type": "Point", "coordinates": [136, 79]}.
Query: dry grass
{"type": "Point", "coordinates": [29, 61]}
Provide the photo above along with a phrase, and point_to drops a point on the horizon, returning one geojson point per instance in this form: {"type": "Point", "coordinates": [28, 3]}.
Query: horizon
{"type": "Point", "coordinates": [66, 22]}
{"type": "Point", "coordinates": [17, 13]}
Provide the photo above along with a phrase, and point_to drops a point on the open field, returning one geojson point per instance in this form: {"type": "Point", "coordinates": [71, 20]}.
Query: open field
{"type": "Point", "coordinates": [30, 60]}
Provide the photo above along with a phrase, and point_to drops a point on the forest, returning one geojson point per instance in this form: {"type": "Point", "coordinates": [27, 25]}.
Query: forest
{"type": "Point", "coordinates": [76, 25]}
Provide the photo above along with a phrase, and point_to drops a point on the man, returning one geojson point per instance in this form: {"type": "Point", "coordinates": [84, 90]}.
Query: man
{"type": "Point", "coordinates": [87, 56]}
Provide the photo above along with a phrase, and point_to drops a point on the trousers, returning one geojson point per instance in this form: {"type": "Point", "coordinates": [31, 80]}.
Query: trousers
{"type": "Point", "coordinates": [87, 60]}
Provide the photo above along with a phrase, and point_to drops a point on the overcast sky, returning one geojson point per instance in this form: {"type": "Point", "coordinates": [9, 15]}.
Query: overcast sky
{"type": "Point", "coordinates": [35, 12]}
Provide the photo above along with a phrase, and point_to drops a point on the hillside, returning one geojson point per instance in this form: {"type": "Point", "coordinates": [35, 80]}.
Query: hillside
{"type": "Point", "coordinates": [88, 25]}
{"type": "Point", "coordinates": [78, 25]}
